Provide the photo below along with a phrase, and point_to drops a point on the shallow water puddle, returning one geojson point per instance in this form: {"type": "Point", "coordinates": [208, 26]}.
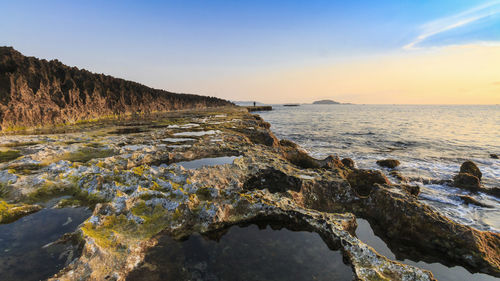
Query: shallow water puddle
{"type": "Point", "coordinates": [198, 133]}
{"type": "Point", "coordinates": [177, 139]}
{"type": "Point", "coordinates": [441, 272]}
{"type": "Point", "coordinates": [22, 252]}
{"type": "Point", "coordinates": [198, 163]}
{"type": "Point", "coordinates": [244, 253]}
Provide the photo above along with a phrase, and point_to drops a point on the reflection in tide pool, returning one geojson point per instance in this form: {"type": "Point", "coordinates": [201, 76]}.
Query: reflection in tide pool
{"type": "Point", "coordinates": [198, 163]}
{"type": "Point", "coordinates": [441, 272]}
{"type": "Point", "coordinates": [245, 253]}
{"type": "Point", "coordinates": [22, 252]}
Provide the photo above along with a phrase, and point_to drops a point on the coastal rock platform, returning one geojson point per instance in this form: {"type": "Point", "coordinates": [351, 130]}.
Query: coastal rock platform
{"type": "Point", "coordinates": [130, 173]}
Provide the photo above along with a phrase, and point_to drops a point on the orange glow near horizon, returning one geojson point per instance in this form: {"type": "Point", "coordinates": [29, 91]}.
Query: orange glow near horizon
{"type": "Point", "coordinates": [468, 74]}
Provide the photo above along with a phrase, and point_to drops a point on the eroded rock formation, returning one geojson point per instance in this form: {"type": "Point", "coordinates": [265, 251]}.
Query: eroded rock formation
{"type": "Point", "coordinates": [142, 194]}
{"type": "Point", "coordinates": [36, 92]}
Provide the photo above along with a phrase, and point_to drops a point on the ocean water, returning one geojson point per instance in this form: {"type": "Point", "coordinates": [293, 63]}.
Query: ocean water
{"type": "Point", "coordinates": [430, 141]}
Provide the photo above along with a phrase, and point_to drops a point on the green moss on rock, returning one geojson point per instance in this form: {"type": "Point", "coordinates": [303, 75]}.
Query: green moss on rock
{"type": "Point", "coordinates": [12, 212]}
{"type": "Point", "coordinates": [9, 155]}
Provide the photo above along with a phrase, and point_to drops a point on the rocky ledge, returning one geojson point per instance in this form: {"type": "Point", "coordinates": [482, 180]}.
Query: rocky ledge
{"type": "Point", "coordinates": [36, 92]}
{"type": "Point", "coordinates": [126, 171]}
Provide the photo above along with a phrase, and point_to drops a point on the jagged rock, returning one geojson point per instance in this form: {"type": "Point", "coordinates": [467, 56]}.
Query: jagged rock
{"type": "Point", "coordinates": [300, 158]}
{"type": "Point", "coordinates": [331, 162]}
{"type": "Point", "coordinates": [467, 181]}
{"type": "Point", "coordinates": [398, 176]}
{"type": "Point", "coordinates": [37, 92]}
{"type": "Point", "coordinates": [288, 143]}
{"type": "Point", "coordinates": [410, 229]}
{"type": "Point", "coordinates": [469, 200]}
{"type": "Point", "coordinates": [348, 163]}
{"type": "Point", "coordinates": [467, 245]}
{"type": "Point", "coordinates": [274, 180]}
{"type": "Point", "coordinates": [363, 181]}
{"type": "Point", "coordinates": [257, 131]}
{"type": "Point", "coordinates": [145, 197]}
{"type": "Point", "coordinates": [411, 189]}
{"type": "Point", "coordinates": [471, 168]}
{"type": "Point", "coordinates": [388, 163]}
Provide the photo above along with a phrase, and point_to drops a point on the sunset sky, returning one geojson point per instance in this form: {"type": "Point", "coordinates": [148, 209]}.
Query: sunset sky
{"type": "Point", "coordinates": [408, 52]}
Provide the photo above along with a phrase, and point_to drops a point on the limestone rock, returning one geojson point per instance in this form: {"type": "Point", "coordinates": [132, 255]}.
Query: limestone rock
{"type": "Point", "coordinates": [364, 180]}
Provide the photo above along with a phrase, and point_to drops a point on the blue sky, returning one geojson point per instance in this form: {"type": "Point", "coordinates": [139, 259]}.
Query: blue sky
{"type": "Point", "coordinates": [198, 46]}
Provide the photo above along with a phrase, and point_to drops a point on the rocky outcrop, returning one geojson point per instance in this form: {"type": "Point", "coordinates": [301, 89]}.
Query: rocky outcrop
{"type": "Point", "coordinates": [467, 181]}
{"type": "Point", "coordinates": [144, 195]}
{"type": "Point", "coordinates": [36, 92]}
{"type": "Point", "coordinates": [398, 176]}
{"type": "Point", "coordinates": [471, 168]}
{"type": "Point", "coordinates": [470, 200]}
{"type": "Point", "coordinates": [388, 163]}
{"type": "Point", "coordinates": [363, 181]}
{"type": "Point", "coordinates": [469, 177]}
{"type": "Point", "coordinates": [348, 163]}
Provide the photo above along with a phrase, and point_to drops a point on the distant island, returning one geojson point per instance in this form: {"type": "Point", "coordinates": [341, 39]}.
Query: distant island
{"type": "Point", "coordinates": [330, 102]}
{"type": "Point", "coordinates": [326, 102]}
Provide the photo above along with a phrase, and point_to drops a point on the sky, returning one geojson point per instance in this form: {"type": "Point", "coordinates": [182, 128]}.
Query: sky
{"type": "Point", "coordinates": [368, 52]}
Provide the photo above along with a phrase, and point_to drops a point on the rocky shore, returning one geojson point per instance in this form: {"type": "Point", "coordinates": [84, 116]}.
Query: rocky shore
{"type": "Point", "coordinates": [36, 92]}
{"type": "Point", "coordinates": [125, 170]}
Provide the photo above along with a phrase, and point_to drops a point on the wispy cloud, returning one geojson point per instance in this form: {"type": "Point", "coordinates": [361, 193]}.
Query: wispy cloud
{"type": "Point", "coordinates": [458, 20]}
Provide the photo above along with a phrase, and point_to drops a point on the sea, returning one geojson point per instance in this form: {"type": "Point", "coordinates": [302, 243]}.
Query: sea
{"type": "Point", "coordinates": [430, 141]}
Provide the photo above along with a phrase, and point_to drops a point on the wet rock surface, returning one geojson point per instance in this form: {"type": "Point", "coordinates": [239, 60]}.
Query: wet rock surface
{"type": "Point", "coordinates": [471, 168]}
{"type": "Point", "coordinates": [348, 162]}
{"type": "Point", "coordinates": [140, 196]}
{"type": "Point", "coordinates": [469, 178]}
{"type": "Point", "coordinates": [363, 181]}
{"type": "Point", "coordinates": [388, 163]}
{"type": "Point", "coordinates": [467, 181]}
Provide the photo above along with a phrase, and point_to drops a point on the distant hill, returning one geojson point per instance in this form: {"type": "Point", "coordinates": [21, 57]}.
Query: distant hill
{"type": "Point", "coordinates": [326, 102]}
{"type": "Point", "coordinates": [39, 92]}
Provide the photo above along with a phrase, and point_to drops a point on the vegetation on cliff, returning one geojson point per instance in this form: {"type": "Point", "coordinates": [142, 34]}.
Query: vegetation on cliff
{"type": "Point", "coordinates": [36, 92]}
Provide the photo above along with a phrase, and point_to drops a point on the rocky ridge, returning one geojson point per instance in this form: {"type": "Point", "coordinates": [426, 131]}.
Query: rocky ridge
{"type": "Point", "coordinates": [35, 92]}
{"type": "Point", "coordinates": [127, 171]}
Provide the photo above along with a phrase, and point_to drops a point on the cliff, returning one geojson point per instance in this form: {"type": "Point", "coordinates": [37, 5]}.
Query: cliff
{"type": "Point", "coordinates": [37, 92]}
